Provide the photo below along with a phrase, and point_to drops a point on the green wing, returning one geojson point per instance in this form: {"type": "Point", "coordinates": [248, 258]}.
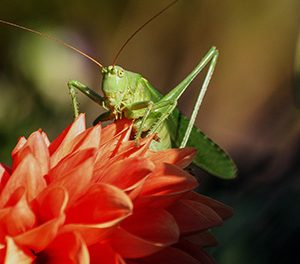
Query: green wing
{"type": "Point", "coordinates": [210, 156]}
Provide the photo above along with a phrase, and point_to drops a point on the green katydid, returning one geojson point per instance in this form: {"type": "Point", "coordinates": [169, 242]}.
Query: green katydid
{"type": "Point", "coordinates": [128, 94]}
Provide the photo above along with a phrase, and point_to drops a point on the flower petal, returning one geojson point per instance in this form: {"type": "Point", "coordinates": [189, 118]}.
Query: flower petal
{"type": "Point", "coordinates": [145, 233]}
{"type": "Point", "coordinates": [65, 248]}
{"type": "Point", "coordinates": [18, 218]}
{"type": "Point", "coordinates": [131, 149]}
{"type": "Point", "coordinates": [51, 203]}
{"type": "Point", "coordinates": [115, 129]}
{"type": "Point", "coordinates": [91, 233]}
{"type": "Point", "coordinates": [4, 176]}
{"type": "Point", "coordinates": [76, 180]}
{"type": "Point", "coordinates": [21, 142]}
{"type": "Point", "coordinates": [14, 254]}
{"type": "Point", "coordinates": [110, 143]}
{"type": "Point", "coordinates": [98, 212]}
{"type": "Point", "coordinates": [180, 157]}
{"type": "Point", "coordinates": [223, 210]}
{"type": "Point", "coordinates": [62, 145]}
{"type": "Point", "coordinates": [125, 174]}
{"type": "Point", "coordinates": [37, 146]}
{"type": "Point", "coordinates": [89, 139]}
{"type": "Point", "coordinates": [67, 164]}
{"type": "Point", "coordinates": [40, 151]}
{"type": "Point", "coordinates": [167, 178]}
{"type": "Point", "coordinates": [166, 184]}
{"type": "Point", "coordinates": [196, 252]}
{"type": "Point", "coordinates": [40, 237]}
{"type": "Point", "coordinates": [6, 211]}
{"type": "Point", "coordinates": [101, 204]}
{"type": "Point", "coordinates": [171, 255]}
{"type": "Point", "coordinates": [96, 192]}
{"type": "Point", "coordinates": [192, 216]}
{"type": "Point", "coordinates": [46, 139]}
{"type": "Point", "coordinates": [199, 240]}
{"type": "Point", "coordinates": [103, 253]}
{"type": "Point", "coordinates": [28, 175]}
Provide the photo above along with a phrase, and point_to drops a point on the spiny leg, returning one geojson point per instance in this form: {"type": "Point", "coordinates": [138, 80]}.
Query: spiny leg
{"type": "Point", "coordinates": [170, 105]}
{"type": "Point", "coordinates": [137, 110]}
{"type": "Point", "coordinates": [75, 85]}
{"type": "Point", "coordinates": [213, 56]}
{"type": "Point", "coordinates": [143, 110]}
{"type": "Point", "coordinates": [144, 118]}
{"type": "Point", "coordinates": [74, 100]}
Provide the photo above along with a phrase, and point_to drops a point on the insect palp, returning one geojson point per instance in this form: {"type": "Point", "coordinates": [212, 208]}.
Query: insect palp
{"type": "Point", "coordinates": [104, 70]}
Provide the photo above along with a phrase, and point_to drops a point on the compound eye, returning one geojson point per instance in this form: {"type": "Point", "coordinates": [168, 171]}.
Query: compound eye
{"type": "Point", "coordinates": [120, 73]}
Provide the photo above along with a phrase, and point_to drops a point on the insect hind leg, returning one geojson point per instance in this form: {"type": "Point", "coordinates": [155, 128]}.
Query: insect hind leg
{"type": "Point", "coordinates": [213, 60]}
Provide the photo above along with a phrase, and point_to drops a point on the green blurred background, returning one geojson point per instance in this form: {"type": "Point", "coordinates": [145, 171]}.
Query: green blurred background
{"type": "Point", "coordinates": [250, 109]}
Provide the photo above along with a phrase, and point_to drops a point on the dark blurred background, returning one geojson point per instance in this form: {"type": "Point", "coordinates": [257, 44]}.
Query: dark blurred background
{"type": "Point", "coordinates": [251, 108]}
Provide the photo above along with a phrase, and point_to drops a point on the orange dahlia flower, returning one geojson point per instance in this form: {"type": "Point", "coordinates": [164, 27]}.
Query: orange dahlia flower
{"type": "Point", "coordinates": [93, 196]}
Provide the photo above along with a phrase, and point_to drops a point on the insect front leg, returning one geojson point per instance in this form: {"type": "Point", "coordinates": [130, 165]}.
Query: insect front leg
{"type": "Point", "coordinates": [75, 85]}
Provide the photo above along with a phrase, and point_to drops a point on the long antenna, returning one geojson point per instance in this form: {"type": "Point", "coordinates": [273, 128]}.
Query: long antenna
{"type": "Point", "coordinates": [52, 39]}
{"type": "Point", "coordinates": [139, 29]}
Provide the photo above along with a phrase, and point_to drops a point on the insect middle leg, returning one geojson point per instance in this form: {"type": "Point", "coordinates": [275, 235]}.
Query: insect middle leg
{"type": "Point", "coordinates": [75, 85]}
{"type": "Point", "coordinates": [144, 109]}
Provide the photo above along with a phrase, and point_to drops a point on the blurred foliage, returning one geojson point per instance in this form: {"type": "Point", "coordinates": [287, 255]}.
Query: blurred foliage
{"type": "Point", "coordinates": [249, 109]}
